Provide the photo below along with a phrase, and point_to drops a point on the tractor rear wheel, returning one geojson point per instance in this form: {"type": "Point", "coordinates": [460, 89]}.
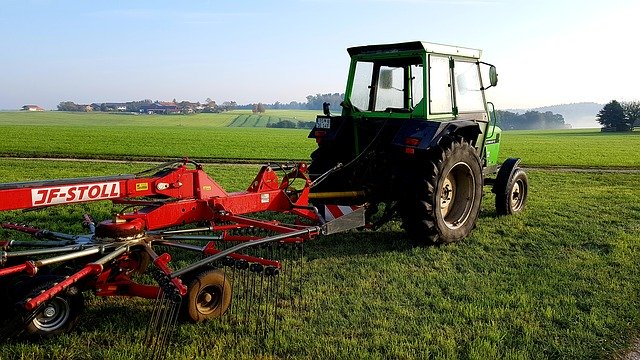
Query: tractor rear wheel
{"type": "Point", "coordinates": [208, 296]}
{"type": "Point", "coordinates": [444, 198]}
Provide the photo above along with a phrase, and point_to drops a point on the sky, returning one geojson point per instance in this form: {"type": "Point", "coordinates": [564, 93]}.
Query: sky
{"type": "Point", "coordinates": [547, 52]}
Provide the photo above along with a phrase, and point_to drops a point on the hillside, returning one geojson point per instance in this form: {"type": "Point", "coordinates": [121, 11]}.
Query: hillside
{"type": "Point", "coordinates": [579, 115]}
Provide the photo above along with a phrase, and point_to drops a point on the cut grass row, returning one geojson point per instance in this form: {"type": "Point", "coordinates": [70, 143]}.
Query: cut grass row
{"type": "Point", "coordinates": [208, 137]}
{"type": "Point", "coordinates": [557, 281]}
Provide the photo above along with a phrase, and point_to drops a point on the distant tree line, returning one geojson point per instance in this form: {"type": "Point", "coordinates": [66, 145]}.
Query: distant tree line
{"type": "Point", "coordinates": [288, 124]}
{"type": "Point", "coordinates": [619, 116]}
{"type": "Point", "coordinates": [530, 120]}
{"type": "Point", "coordinates": [314, 102]}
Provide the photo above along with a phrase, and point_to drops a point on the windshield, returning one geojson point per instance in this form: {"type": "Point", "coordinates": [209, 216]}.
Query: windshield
{"type": "Point", "coordinates": [388, 85]}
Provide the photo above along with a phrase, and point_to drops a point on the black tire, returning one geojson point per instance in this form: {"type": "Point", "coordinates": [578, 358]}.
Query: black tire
{"type": "Point", "coordinates": [512, 198]}
{"type": "Point", "coordinates": [58, 315]}
{"type": "Point", "coordinates": [208, 296]}
{"type": "Point", "coordinates": [445, 194]}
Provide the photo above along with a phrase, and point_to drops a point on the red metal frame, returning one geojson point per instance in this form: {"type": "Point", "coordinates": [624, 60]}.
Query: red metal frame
{"type": "Point", "coordinates": [180, 196]}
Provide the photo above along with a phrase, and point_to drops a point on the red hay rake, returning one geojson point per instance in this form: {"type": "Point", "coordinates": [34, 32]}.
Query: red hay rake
{"type": "Point", "coordinates": [172, 209]}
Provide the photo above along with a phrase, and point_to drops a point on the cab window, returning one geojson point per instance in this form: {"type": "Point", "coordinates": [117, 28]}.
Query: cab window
{"type": "Point", "coordinates": [388, 85]}
{"type": "Point", "coordinates": [468, 89]}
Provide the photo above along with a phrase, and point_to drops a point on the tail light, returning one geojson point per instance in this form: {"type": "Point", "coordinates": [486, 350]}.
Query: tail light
{"type": "Point", "coordinates": [412, 141]}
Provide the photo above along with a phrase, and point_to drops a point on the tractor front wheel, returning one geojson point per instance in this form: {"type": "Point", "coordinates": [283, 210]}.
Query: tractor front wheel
{"type": "Point", "coordinates": [445, 196]}
{"type": "Point", "coordinates": [511, 198]}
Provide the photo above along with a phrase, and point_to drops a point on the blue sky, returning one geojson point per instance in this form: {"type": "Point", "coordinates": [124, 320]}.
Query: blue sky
{"type": "Point", "coordinates": [547, 52]}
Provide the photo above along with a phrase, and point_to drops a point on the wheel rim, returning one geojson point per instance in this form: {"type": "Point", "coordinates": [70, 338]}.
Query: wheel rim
{"type": "Point", "coordinates": [517, 195]}
{"type": "Point", "coordinates": [208, 299]}
{"type": "Point", "coordinates": [457, 195]}
{"type": "Point", "coordinates": [54, 315]}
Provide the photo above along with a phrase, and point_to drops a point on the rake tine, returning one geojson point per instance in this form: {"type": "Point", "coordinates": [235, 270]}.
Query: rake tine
{"type": "Point", "coordinates": [275, 304]}
{"type": "Point", "coordinates": [269, 304]}
{"type": "Point", "coordinates": [154, 320]}
{"type": "Point", "coordinates": [290, 276]}
{"type": "Point", "coordinates": [168, 324]}
{"type": "Point", "coordinates": [163, 320]}
{"type": "Point", "coordinates": [301, 304]}
{"type": "Point", "coordinates": [262, 292]}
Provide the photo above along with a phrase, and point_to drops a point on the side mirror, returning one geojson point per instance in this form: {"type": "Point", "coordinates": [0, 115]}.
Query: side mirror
{"type": "Point", "coordinates": [386, 79]}
{"type": "Point", "coordinates": [493, 76]}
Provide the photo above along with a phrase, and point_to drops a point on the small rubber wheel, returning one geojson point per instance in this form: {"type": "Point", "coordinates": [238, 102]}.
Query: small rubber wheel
{"type": "Point", "coordinates": [512, 198]}
{"type": "Point", "coordinates": [142, 259]}
{"type": "Point", "coordinates": [58, 315]}
{"type": "Point", "coordinates": [208, 296]}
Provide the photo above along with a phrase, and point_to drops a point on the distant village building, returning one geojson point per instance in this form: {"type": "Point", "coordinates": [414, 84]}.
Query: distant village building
{"type": "Point", "coordinates": [32, 108]}
{"type": "Point", "coordinates": [116, 106]}
{"type": "Point", "coordinates": [160, 107]}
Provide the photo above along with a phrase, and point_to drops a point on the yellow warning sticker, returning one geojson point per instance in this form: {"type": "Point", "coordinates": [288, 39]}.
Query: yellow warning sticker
{"type": "Point", "coordinates": [142, 186]}
{"type": "Point", "coordinates": [206, 187]}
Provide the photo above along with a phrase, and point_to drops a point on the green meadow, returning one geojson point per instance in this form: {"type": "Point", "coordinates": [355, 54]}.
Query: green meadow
{"type": "Point", "coordinates": [558, 281]}
{"type": "Point", "coordinates": [213, 137]}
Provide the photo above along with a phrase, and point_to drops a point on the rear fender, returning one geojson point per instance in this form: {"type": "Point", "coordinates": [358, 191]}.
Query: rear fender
{"type": "Point", "coordinates": [429, 133]}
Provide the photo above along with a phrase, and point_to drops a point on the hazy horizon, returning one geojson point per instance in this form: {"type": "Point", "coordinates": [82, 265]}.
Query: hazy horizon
{"type": "Point", "coordinates": [546, 52]}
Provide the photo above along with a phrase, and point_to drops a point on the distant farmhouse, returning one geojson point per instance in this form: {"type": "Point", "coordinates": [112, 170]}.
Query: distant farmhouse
{"type": "Point", "coordinates": [109, 107]}
{"type": "Point", "coordinates": [32, 108]}
{"type": "Point", "coordinates": [160, 107]}
{"type": "Point", "coordinates": [149, 107]}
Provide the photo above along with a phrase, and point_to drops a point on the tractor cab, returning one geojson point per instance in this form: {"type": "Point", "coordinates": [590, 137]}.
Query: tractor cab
{"type": "Point", "coordinates": [414, 81]}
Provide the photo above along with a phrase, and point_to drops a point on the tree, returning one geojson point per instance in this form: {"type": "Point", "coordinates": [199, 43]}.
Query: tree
{"type": "Point", "coordinates": [315, 102]}
{"type": "Point", "coordinates": [229, 105]}
{"type": "Point", "coordinates": [631, 113]}
{"type": "Point", "coordinates": [530, 120]}
{"type": "Point", "coordinates": [67, 106]}
{"type": "Point", "coordinates": [612, 118]}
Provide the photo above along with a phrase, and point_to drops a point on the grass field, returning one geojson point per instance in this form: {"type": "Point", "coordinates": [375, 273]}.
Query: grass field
{"type": "Point", "coordinates": [558, 281]}
{"type": "Point", "coordinates": [209, 137]}
{"type": "Point", "coordinates": [112, 136]}
{"type": "Point", "coordinates": [575, 148]}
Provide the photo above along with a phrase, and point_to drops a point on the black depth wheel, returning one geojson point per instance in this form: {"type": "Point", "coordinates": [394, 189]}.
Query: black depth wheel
{"type": "Point", "coordinates": [512, 198]}
{"type": "Point", "coordinates": [58, 315]}
{"type": "Point", "coordinates": [208, 296]}
{"type": "Point", "coordinates": [445, 196]}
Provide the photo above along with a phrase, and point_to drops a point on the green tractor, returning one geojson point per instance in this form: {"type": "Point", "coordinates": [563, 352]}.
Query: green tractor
{"type": "Point", "coordinates": [416, 138]}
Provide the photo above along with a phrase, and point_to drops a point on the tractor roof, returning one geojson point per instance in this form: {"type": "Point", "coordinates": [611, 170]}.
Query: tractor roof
{"type": "Point", "coordinates": [415, 46]}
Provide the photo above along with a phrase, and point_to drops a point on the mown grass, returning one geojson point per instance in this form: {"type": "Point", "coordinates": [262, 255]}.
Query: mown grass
{"type": "Point", "coordinates": [208, 137]}
{"type": "Point", "coordinates": [557, 281]}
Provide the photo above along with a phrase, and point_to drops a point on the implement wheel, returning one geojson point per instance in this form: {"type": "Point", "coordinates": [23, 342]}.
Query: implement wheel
{"type": "Point", "coordinates": [208, 296]}
{"type": "Point", "coordinates": [445, 196]}
{"type": "Point", "coordinates": [58, 315]}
